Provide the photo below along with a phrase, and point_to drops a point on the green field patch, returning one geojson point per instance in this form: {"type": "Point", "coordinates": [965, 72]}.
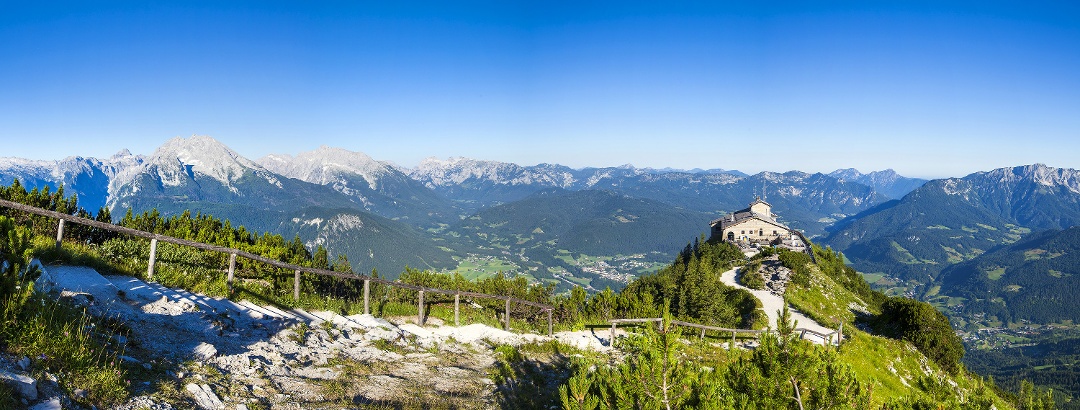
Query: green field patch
{"type": "Point", "coordinates": [905, 256]}
{"type": "Point", "coordinates": [538, 231]}
{"type": "Point", "coordinates": [1013, 288]}
{"type": "Point", "coordinates": [1058, 274]}
{"type": "Point", "coordinates": [966, 229]}
{"type": "Point", "coordinates": [942, 227]}
{"type": "Point", "coordinates": [1014, 339]}
{"type": "Point", "coordinates": [1034, 254]}
{"type": "Point", "coordinates": [482, 267]}
{"type": "Point", "coordinates": [584, 282]}
{"type": "Point", "coordinates": [952, 256]}
{"type": "Point", "coordinates": [995, 274]}
{"type": "Point", "coordinates": [955, 301]}
{"type": "Point", "coordinates": [986, 227]}
{"type": "Point", "coordinates": [932, 292]}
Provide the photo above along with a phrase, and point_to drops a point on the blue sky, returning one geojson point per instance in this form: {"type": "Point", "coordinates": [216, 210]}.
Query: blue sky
{"type": "Point", "coordinates": [930, 89]}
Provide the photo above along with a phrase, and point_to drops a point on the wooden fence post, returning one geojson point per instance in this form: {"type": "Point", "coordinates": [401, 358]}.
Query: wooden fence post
{"type": "Point", "coordinates": [702, 333]}
{"type": "Point", "coordinates": [457, 308]}
{"type": "Point", "coordinates": [153, 256]}
{"type": "Point", "coordinates": [507, 314]}
{"type": "Point", "coordinates": [550, 323]}
{"type": "Point", "coordinates": [611, 341]}
{"type": "Point", "coordinates": [296, 285]}
{"type": "Point", "coordinates": [232, 270]}
{"type": "Point", "coordinates": [732, 347]}
{"type": "Point", "coordinates": [59, 233]}
{"type": "Point", "coordinates": [840, 334]}
{"type": "Point", "coordinates": [420, 313]}
{"type": "Point", "coordinates": [367, 296]}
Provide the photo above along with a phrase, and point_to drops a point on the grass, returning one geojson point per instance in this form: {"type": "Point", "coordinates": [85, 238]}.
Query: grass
{"type": "Point", "coordinates": [824, 300]}
{"type": "Point", "coordinates": [904, 256]}
{"type": "Point", "coordinates": [894, 367]}
{"type": "Point", "coordinates": [476, 268]}
{"type": "Point", "coordinates": [872, 278]}
{"type": "Point", "coordinates": [65, 342]}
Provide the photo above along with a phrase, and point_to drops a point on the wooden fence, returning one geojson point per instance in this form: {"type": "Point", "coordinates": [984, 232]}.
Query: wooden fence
{"type": "Point", "coordinates": [755, 333]}
{"type": "Point", "coordinates": [234, 253]}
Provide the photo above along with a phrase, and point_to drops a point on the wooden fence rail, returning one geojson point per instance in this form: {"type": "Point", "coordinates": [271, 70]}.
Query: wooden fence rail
{"type": "Point", "coordinates": [234, 253]}
{"type": "Point", "coordinates": [755, 333]}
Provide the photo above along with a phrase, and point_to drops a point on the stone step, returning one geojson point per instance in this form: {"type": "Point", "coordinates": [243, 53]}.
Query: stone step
{"type": "Point", "coordinates": [175, 296]}
{"type": "Point", "coordinates": [138, 290]}
{"type": "Point", "coordinates": [282, 313]}
{"type": "Point", "coordinates": [81, 279]}
{"type": "Point", "coordinates": [205, 303]}
{"type": "Point", "coordinates": [339, 321]}
{"type": "Point", "coordinates": [243, 310]}
{"type": "Point", "coordinates": [267, 313]}
{"type": "Point", "coordinates": [308, 317]}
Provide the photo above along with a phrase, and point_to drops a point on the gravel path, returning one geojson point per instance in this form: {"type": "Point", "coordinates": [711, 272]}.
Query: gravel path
{"type": "Point", "coordinates": [218, 352]}
{"type": "Point", "coordinates": [773, 303]}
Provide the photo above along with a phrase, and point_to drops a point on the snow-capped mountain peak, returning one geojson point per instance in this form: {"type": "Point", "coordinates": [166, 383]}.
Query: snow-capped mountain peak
{"type": "Point", "coordinates": [199, 154]}
{"type": "Point", "coordinates": [327, 166]}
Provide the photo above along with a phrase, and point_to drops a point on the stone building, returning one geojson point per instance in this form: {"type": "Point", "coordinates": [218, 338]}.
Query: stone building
{"type": "Point", "coordinates": [755, 225]}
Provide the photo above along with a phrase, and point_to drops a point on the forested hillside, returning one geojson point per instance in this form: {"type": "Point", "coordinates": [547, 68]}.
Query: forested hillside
{"type": "Point", "coordinates": [590, 222]}
{"type": "Point", "coordinates": [1034, 280]}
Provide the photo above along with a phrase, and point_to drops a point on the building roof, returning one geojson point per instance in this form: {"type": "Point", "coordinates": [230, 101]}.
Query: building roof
{"type": "Point", "coordinates": [743, 215]}
{"type": "Point", "coordinates": [758, 201]}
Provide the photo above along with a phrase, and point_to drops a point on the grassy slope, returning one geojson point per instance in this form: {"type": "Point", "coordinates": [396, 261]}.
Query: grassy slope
{"type": "Point", "coordinates": [894, 367]}
{"type": "Point", "coordinates": [825, 301]}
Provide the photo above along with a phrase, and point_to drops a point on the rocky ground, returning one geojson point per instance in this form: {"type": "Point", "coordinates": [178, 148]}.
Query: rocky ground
{"type": "Point", "coordinates": [211, 353]}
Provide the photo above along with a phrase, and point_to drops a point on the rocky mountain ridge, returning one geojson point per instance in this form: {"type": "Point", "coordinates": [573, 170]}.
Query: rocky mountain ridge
{"type": "Point", "coordinates": [887, 182]}
{"type": "Point", "coordinates": [358, 206]}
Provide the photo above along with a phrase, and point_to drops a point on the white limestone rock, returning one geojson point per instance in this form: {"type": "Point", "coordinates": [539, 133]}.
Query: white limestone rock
{"type": "Point", "coordinates": [205, 351]}
{"type": "Point", "coordinates": [204, 397]}
{"type": "Point", "coordinates": [51, 404]}
{"type": "Point", "coordinates": [25, 385]}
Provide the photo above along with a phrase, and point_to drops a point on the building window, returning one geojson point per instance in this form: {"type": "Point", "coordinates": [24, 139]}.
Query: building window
{"type": "Point", "coordinates": [760, 232]}
{"type": "Point", "coordinates": [774, 233]}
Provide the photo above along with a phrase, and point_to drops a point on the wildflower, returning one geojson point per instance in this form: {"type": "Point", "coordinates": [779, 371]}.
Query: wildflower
{"type": "Point", "coordinates": [43, 357]}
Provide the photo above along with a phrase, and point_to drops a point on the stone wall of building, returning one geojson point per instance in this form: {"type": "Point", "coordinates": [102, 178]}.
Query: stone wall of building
{"type": "Point", "coordinates": [754, 230]}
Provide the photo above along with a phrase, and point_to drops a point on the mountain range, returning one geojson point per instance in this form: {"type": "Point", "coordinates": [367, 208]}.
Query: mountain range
{"type": "Point", "coordinates": [358, 206]}
{"type": "Point", "coordinates": [996, 250]}
{"type": "Point", "coordinates": [952, 220]}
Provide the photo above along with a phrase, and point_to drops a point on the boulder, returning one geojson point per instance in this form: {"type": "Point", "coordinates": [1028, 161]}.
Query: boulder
{"type": "Point", "coordinates": [204, 397]}
{"type": "Point", "coordinates": [205, 351]}
{"type": "Point", "coordinates": [25, 385]}
{"type": "Point", "coordinates": [51, 404]}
